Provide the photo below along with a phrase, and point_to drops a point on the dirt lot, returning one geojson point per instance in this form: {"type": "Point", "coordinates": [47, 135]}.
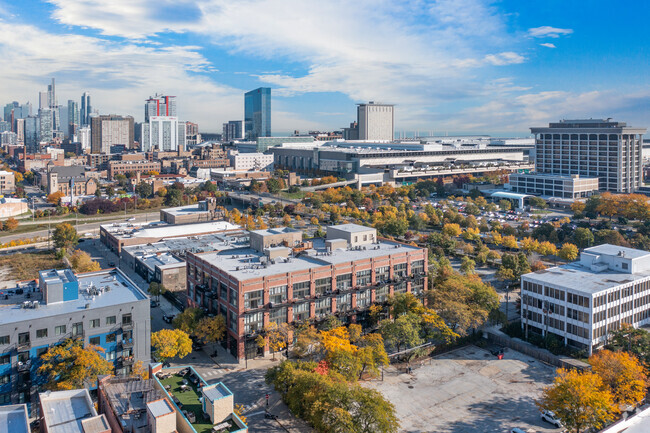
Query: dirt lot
{"type": "Point", "coordinates": [469, 390]}
{"type": "Point", "coordinates": [25, 266]}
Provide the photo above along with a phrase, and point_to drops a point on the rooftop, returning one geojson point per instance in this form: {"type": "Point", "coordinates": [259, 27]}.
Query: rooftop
{"type": "Point", "coordinates": [247, 263]}
{"type": "Point", "coordinates": [129, 398]}
{"type": "Point", "coordinates": [615, 250]}
{"type": "Point", "coordinates": [195, 244]}
{"type": "Point", "coordinates": [97, 424]}
{"type": "Point", "coordinates": [161, 230]}
{"type": "Point", "coordinates": [351, 228]}
{"type": "Point", "coordinates": [184, 210]}
{"type": "Point", "coordinates": [160, 407]}
{"type": "Point", "coordinates": [216, 391]}
{"type": "Point", "coordinates": [63, 411]}
{"type": "Point", "coordinates": [161, 260]}
{"type": "Point", "coordinates": [13, 419]}
{"type": "Point", "coordinates": [111, 288]}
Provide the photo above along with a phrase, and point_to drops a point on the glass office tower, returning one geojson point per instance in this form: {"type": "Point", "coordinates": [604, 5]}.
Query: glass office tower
{"type": "Point", "coordinates": [257, 113]}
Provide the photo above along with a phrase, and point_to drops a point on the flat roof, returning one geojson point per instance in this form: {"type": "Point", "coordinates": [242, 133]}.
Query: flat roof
{"type": "Point", "coordinates": [245, 263]}
{"type": "Point", "coordinates": [160, 230]}
{"type": "Point", "coordinates": [161, 260]}
{"type": "Point", "coordinates": [614, 250]}
{"type": "Point", "coordinates": [216, 391]}
{"type": "Point", "coordinates": [351, 228]}
{"type": "Point", "coordinates": [582, 279]}
{"type": "Point", "coordinates": [275, 231]}
{"type": "Point", "coordinates": [200, 243]}
{"type": "Point", "coordinates": [506, 194]}
{"type": "Point", "coordinates": [184, 210]}
{"type": "Point", "coordinates": [97, 424]}
{"type": "Point", "coordinates": [63, 411]}
{"type": "Point", "coordinates": [13, 419]}
{"type": "Point", "coordinates": [160, 407]}
{"type": "Point", "coordinates": [117, 289]}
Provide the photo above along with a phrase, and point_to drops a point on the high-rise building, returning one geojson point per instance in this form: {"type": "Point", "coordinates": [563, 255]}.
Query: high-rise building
{"type": "Point", "coordinates": [232, 131]}
{"type": "Point", "coordinates": [73, 119]}
{"type": "Point", "coordinates": [159, 105]}
{"type": "Point", "coordinates": [192, 136]}
{"type": "Point", "coordinates": [162, 133]}
{"type": "Point", "coordinates": [32, 133]}
{"type": "Point", "coordinates": [110, 130]}
{"type": "Point", "coordinates": [43, 100]}
{"type": "Point", "coordinates": [5, 126]}
{"type": "Point", "coordinates": [51, 95]}
{"type": "Point", "coordinates": [86, 109]}
{"type": "Point", "coordinates": [20, 131]}
{"type": "Point", "coordinates": [83, 137]}
{"type": "Point", "coordinates": [46, 124]}
{"type": "Point", "coordinates": [375, 121]}
{"type": "Point", "coordinates": [600, 148]}
{"type": "Point", "coordinates": [257, 113]}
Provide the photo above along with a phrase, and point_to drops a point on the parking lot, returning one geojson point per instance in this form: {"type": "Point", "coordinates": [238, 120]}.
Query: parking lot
{"type": "Point", "coordinates": [469, 390]}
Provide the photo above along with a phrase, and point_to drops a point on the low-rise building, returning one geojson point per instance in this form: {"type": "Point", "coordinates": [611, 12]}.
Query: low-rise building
{"type": "Point", "coordinates": [7, 182]}
{"type": "Point", "coordinates": [583, 301]}
{"type": "Point", "coordinates": [70, 412]}
{"type": "Point", "coordinates": [14, 419]}
{"type": "Point", "coordinates": [10, 207]}
{"type": "Point", "coordinates": [250, 161]}
{"type": "Point", "coordinates": [103, 308]}
{"type": "Point", "coordinates": [554, 185]}
{"type": "Point", "coordinates": [116, 167]}
{"type": "Point", "coordinates": [203, 211]}
{"type": "Point", "coordinates": [280, 278]}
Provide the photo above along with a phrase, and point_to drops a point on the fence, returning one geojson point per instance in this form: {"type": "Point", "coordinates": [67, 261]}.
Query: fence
{"type": "Point", "coordinates": [535, 352]}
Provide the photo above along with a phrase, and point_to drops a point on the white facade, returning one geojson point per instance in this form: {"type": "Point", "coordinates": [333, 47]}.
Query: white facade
{"type": "Point", "coordinates": [114, 131]}
{"type": "Point", "coordinates": [83, 136]}
{"type": "Point", "coordinates": [583, 301]}
{"type": "Point", "coordinates": [376, 122]}
{"type": "Point", "coordinates": [250, 161]}
{"type": "Point", "coordinates": [163, 133]}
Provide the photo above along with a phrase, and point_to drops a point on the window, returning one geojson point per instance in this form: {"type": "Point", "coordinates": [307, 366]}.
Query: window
{"type": "Point", "coordinates": [110, 355]}
{"type": "Point", "coordinates": [278, 315]}
{"type": "Point", "coordinates": [111, 320]}
{"type": "Point", "coordinates": [77, 329]}
{"type": "Point", "coordinates": [323, 307]}
{"type": "Point", "coordinates": [23, 357]}
{"type": "Point", "coordinates": [94, 323]}
{"type": "Point", "coordinates": [23, 338]}
{"type": "Point", "coordinates": [382, 273]}
{"type": "Point", "coordinates": [5, 359]}
{"type": "Point", "coordinates": [4, 379]}
{"type": "Point", "coordinates": [343, 282]}
{"type": "Point", "coordinates": [223, 291]}
{"type": "Point", "coordinates": [233, 321]}
{"type": "Point", "coordinates": [323, 285]}
{"type": "Point", "coordinates": [344, 302]}
{"type": "Point", "coordinates": [5, 398]}
{"type": "Point", "coordinates": [110, 338]}
{"type": "Point", "coordinates": [417, 267]}
{"type": "Point", "coordinates": [624, 265]}
{"type": "Point", "coordinates": [94, 340]}
{"type": "Point", "coordinates": [41, 351]}
{"type": "Point", "coordinates": [364, 278]}
{"type": "Point", "coordinates": [301, 290]}
{"type": "Point", "coordinates": [41, 333]}
{"type": "Point", "coordinates": [399, 270]}
{"type": "Point", "coordinates": [233, 297]}
{"type": "Point", "coordinates": [254, 299]}
{"type": "Point", "coordinates": [4, 340]}
{"type": "Point", "coordinates": [59, 330]}
{"type": "Point", "coordinates": [363, 299]}
{"type": "Point", "coordinates": [253, 322]}
{"type": "Point", "coordinates": [126, 319]}
{"type": "Point", "coordinates": [301, 312]}
{"type": "Point", "coordinates": [278, 294]}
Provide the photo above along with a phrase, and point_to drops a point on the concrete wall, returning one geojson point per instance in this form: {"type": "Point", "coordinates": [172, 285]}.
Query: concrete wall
{"type": "Point", "coordinates": [12, 209]}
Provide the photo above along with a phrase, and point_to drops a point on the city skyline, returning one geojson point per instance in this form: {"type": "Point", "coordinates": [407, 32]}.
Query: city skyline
{"type": "Point", "coordinates": [449, 67]}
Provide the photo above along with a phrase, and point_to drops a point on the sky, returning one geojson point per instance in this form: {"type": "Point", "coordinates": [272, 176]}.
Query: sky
{"type": "Point", "coordinates": [449, 66]}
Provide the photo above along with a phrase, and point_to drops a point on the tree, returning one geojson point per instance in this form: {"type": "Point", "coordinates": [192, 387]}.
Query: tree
{"type": "Point", "coordinates": [65, 236]}
{"type": "Point", "coordinates": [583, 237]}
{"type": "Point", "coordinates": [403, 332]}
{"type": "Point", "coordinates": [505, 204]}
{"type": "Point", "coordinates": [188, 320]}
{"type": "Point", "coordinates": [144, 189]}
{"type": "Point", "coordinates": [622, 374]}
{"type": "Point", "coordinates": [71, 365]}
{"type": "Point", "coordinates": [275, 185]}
{"type": "Point", "coordinates": [451, 230]}
{"type": "Point", "coordinates": [579, 400]}
{"type": "Point", "coordinates": [156, 289]}
{"type": "Point", "coordinates": [568, 252]}
{"type": "Point", "coordinates": [110, 192]}
{"type": "Point", "coordinates": [170, 343]}
{"type": "Point", "coordinates": [538, 202]}
{"type": "Point", "coordinates": [174, 197]}
{"type": "Point", "coordinates": [467, 265]}
{"type": "Point", "coordinates": [140, 370]}
{"type": "Point", "coordinates": [372, 354]}
{"type": "Point", "coordinates": [578, 209]}
{"type": "Point", "coordinates": [547, 248]}
{"type": "Point", "coordinates": [55, 198]}
{"type": "Point", "coordinates": [509, 242]}
{"type": "Point", "coordinates": [82, 262]}
{"type": "Point", "coordinates": [635, 341]}
{"type": "Point", "coordinates": [11, 224]}
{"type": "Point", "coordinates": [211, 329]}
{"type": "Point", "coordinates": [277, 336]}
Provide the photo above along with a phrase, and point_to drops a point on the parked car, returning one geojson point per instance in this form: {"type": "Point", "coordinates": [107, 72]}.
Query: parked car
{"type": "Point", "coordinates": [154, 304]}
{"type": "Point", "coordinates": [168, 318]}
{"type": "Point", "coordinates": [550, 417]}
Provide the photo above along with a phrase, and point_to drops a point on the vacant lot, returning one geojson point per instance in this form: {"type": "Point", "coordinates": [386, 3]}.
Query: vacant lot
{"type": "Point", "coordinates": [469, 390]}
{"type": "Point", "coordinates": [25, 266]}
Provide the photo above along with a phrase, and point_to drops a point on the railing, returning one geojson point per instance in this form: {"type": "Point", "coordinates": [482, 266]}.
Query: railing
{"type": "Point", "coordinates": [23, 366]}
{"type": "Point", "coordinates": [128, 325]}
{"type": "Point", "coordinates": [128, 343]}
{"type": "Point", "coordinates": [24, 345]}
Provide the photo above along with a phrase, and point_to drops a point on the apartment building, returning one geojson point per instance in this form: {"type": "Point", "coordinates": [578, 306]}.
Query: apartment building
{"type": "Point", "coordinates": [598, 148]}
{"type": "Point", "coordinates": [103, 308]}
{"type": "Point", "coordinates": [583, 301]}
{"type": "Point", "coordinates": [7, 182]}
{"type": "Point", "coordinates": [124, 167]}
{"type": "Point", "coordinates": [279, 277]}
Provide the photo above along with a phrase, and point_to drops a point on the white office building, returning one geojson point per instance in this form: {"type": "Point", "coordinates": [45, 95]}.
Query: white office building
{"type": "Point", "coordinates": [164, 133]}
{"type": "Point", "coordinates": [376, 121]}
{"type": "Point", "coordinates": [250, 161]}
{"type": "Point", "coordinates": [581, 302]}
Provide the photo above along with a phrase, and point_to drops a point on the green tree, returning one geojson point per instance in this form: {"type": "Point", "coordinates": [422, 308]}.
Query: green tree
{"type": "Point", "coordinates": [174, 197]}
{"type": "Point", "coordinates": [65, 236]}
{"type": "Point", "coordinates": [274, 185]}
{"type": "Point", "coordinates": [110, 192]}
{"type": "Point", "coordinates": [583, 237]}
{"type": "Point", "coordinates": [211, 329]}
{"type": "Point", "coordinates": [170, 343]}
{"type": "Point", "coordinates": [188, 320]}
{"type": "Point", "coordinates": [538, 202]}
{"type": "Point", "coordinates": [579, 400]}
{"type": "Point", "coordinates": [467, 265]}
{"type": "Point", "coordinates": [635, 341]}
{"type": "Point", "coordinates": [143, 189]}
{"type": "Point", "coordinates": [505, 204]}
{"type": "Point", "coordinates": [156, 289]}
{"type": "Point", "coordinates": [71, 365]}
{"type": "Point", "coordinates": [402, 332]}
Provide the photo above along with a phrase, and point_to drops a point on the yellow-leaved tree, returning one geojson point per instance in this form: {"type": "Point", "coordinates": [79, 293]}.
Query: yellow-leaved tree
{"type": "Point", "coordinates": [622, 374]}
{"type": "Point", "coordinates": [71, 365]}
{"type": "Point", "coordinates": [170, 343]}
{"type": "Point", "coordinates": [82, 262]}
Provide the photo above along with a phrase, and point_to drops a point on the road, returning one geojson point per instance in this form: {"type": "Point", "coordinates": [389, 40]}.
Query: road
{"type": "Point", "coordinates": [89, 227]}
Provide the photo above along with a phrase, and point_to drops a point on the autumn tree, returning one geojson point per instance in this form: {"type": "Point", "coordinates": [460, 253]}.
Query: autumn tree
{"type": "Point", "coordinates": [277, 336]}
{"type": "Point", "coordinates": [568, 252]}
{"type": "Point", "coordinates": [188, 320]}
{"type": "Point", "coordinates": [467, 265]}
{"type": "Point", "coordinates": [55, 198]}
{"type": "Point", "coordinates": [635, 341]}
{"type": "Point", "coordinates": [170, 343]}
{"type": "Point", "coordinates": [82, 262]}
{"type": "Point", "coordinates": [70, 365]}
{"type": "Point", "coordinates": [211, 329]}
{"type": "Point", "coordinates": [579, 400]}
{"type": "Point", "coordinates": [11, 224]}
{"type": "Point", "coordinates": [451, 229]}
{"type": "Point", "coordinates": [583, 237]}
{"type": "Point", "coordinates": [65, 236]}
{"type": "Point", "coordinates": [622, 374]}
{"type": "Point", "coordinates": [578, 209]}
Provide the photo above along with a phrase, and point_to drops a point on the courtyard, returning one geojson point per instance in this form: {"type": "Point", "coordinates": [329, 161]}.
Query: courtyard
{"type": "Point", "coordinates": [469, 390]}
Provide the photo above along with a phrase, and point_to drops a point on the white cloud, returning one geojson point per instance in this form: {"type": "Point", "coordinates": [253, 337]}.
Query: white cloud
{"type": "Point", "coordinates": [506, 58]}
{"type": "Point", "coordinates": [548, 32]}
{"type": "Point", "coordinates": [548, 45]}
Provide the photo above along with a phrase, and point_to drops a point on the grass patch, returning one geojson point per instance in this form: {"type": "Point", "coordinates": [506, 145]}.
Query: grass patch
{"type": "Point", "coordinates": [25, 266]}
{"type": "Point", "coordinates": [189, 402]}
{"type": "Point", "coordinates": [293, 195]}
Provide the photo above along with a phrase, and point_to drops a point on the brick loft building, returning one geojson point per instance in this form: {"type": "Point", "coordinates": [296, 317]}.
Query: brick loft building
{"type": "Point", "coordinates": [281, 278]}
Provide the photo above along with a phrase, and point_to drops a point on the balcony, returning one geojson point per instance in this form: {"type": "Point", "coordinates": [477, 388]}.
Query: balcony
{"type": "Point", "coordinates": [128, 326]}
{"type": "Point", "coordinates": [127, 343]}
{"type": "Point", "coordinates": [24, 345]}
{"type": "Point", "coordinates": [127, 360]}
{"type": "Point", "coordinates": [23, 366]}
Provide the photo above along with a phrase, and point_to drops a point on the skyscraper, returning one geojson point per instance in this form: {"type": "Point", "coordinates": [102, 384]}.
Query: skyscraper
{"type": "Point", "coordinates": [160, 105]}
{"type": "Point", "coordinates": [376, 122]}
{"type": "Point", "coordinates": [20, 132]}
{"type": "Point", "coordinates": [161, 129]}
{"type": "Point", "coordinates": [86, 109]}
{"type": "Point", "coordinates": [43, 100]}
{"type": "Point", "coordinates": [110, 130]}
{"type": "Point", "coordinates": [232, 131]}
{"type": "Point", "coordinates": [46, 124]}
{"type": "Point", "coordinates": [32, 133]}
{"type": "Point", "coordinates": [73, 118]}
{"type": "Point", "coordinates": [257, 113]}
{"type": "Point", "coordinates": [51, 95]}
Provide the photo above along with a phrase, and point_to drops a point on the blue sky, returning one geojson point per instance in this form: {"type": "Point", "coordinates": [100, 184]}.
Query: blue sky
{"type": "Point", "coordinates": [449, 66]}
